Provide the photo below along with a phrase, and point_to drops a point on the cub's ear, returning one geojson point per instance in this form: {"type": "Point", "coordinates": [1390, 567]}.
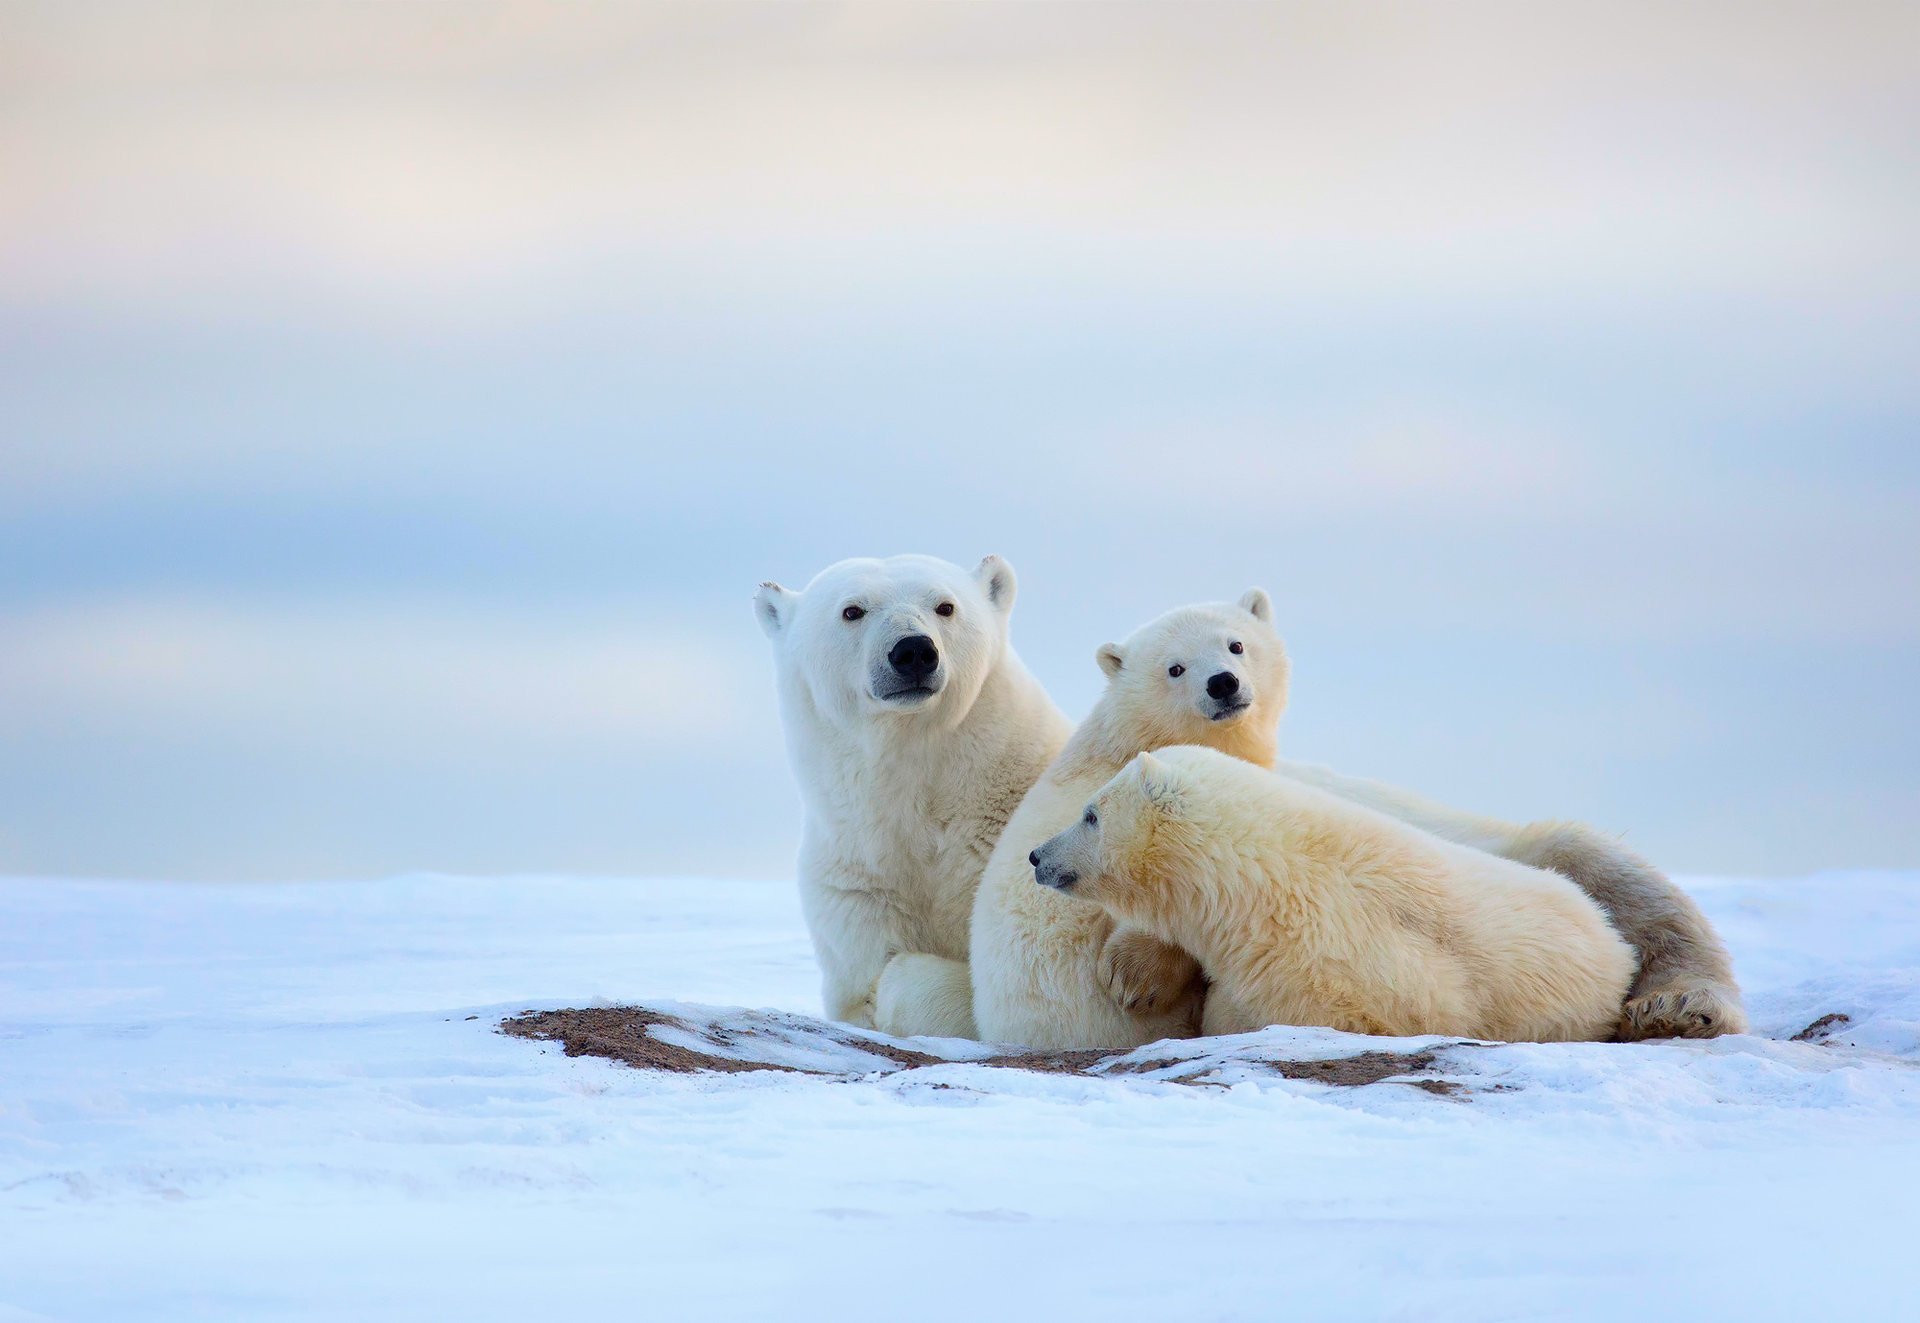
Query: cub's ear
{"type": "Point", "coordinates": [1257, 601]}
{"type": "Point", "coordinates": [773, 607]}
{"type": "Point", "coordinates": [1160, 781]}
{"type": "Point", "coordinates": [1111, 659]}
{"type": "Point", "coordinates": [996, 580]}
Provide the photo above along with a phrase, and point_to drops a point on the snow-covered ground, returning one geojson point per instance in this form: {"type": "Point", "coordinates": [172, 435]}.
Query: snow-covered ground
{"type": "Point", "coordinates": [291, 1101]}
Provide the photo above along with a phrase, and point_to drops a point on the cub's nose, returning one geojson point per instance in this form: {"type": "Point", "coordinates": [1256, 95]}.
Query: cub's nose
{"type": "Point", "coordinates": [1223, 685]}
{"type": "Point", "coordinates": [1034, 859]}
{"type": "Point", "coordinates": [914, 657]}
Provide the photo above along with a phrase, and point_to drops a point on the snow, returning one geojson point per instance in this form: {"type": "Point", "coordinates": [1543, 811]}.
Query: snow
{"type": "Point", "coordinates": [290, 1101]}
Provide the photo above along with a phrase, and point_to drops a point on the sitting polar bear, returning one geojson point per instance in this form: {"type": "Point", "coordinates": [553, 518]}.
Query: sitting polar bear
{"type": "Point", "coordinates": [1305, 908]}
{"type": "Point", "coordinates": [1055, 974]}
{"type": "Point", "coordinates": [913, 730]}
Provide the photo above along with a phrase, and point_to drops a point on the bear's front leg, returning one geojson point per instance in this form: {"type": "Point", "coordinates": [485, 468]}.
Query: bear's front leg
{"type": "Point", "coordinates": [854, 934]}
{"type": "Point", "coordinates": [1146, 976]}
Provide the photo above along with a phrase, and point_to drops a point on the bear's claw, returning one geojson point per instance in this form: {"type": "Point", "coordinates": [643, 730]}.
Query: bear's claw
{"type": "Point", "coordinates": [1705, 1010]}
{"type": "Point", "coordinates": [1145, 975]}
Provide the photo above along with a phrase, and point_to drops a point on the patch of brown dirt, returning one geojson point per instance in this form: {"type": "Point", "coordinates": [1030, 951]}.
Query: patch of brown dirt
{"type": "Point", "coordinates": [1346, 1072]}
{"type": "Point", "coordinates": [1823, 1028]}
{"type": "Point", "coordinates": [1080, 1062]}
{"type": "Point", "coordinates": [621, 1033]}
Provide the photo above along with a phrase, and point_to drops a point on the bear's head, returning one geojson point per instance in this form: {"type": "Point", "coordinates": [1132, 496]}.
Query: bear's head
{"type": "Point", "coordinates": [1213, 674]}
{"type": "Point", "coordinates": [1131, 847]}
{"type": "Point", "coordinates": [889, 639]}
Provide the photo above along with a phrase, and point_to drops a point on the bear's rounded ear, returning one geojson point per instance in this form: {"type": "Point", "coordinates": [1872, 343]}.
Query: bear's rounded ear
{"type": "Point", "coordinates": [773, 607]}
{"type": "Point", "coordinates": [1111, 659]}
{"type": "Point", "coordinates": [1160, 781]}
{"type": "Point", "coordinates": [996, 580]}
{"type": "Point", "coordinates": [1257, 601]}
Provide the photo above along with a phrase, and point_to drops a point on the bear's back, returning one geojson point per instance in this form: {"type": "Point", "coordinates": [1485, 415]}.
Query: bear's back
{"type": "Point", "coordinates": [1425, 934]}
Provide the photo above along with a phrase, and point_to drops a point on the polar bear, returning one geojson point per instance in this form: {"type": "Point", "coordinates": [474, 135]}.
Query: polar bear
{"type": "Point", "coordinates": [1053, 974]}
{"type": "Point", "coordinates": [914, 730]}
{"type": "Point", "coordinates": [1306, 908]}
{"type": "Point", "coordinates": [1685, 986]}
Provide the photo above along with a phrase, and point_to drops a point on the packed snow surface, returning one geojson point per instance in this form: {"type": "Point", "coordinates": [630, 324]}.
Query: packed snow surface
{"type": "Point", "coordinates": [291, 1101]}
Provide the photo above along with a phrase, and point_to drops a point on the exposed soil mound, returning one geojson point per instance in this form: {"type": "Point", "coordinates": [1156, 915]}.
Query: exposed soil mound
{"type": "Point", "coordinates": [688, 1040]}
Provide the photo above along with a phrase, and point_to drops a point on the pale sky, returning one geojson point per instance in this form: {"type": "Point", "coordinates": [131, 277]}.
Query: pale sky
{"type": "Point", "coordinates": [401, 402]}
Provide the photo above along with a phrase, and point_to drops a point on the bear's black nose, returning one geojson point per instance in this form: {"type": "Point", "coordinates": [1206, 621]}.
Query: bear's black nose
{"type": "Point", "coordinates": [1034, 859]}
{"type": "Point", "coordinates": [914, 657]}
{"type": "Point", "coordinates": [1223, 685]}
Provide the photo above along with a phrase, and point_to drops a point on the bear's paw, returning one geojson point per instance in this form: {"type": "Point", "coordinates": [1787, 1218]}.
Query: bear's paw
{"type": "Point", "coordinates": [1701, 1010]}
{"type": "Point", "coordinates": [1146, 976]}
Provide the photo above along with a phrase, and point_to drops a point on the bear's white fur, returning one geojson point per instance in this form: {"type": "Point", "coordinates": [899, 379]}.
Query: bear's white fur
{"type": "Point", "coordinates": [1685, 986]}
{"type": "Point", "coordinates": [905, 787]}
{"type": "Point", "coordinates": [1039, 977]}
{"type": "Point", "coordinates": [1305, 908]}
{"type": "Point", "coordinates": [1055, 975]}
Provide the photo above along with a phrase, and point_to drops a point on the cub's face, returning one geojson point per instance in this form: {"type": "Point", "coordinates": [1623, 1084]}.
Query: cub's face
{"type": "Point", "coordinates": [889, 639]}
{"type": "Point", "coordinates": [1200, 669]}
{"type": "Point", "coordinates": [1109, 855]}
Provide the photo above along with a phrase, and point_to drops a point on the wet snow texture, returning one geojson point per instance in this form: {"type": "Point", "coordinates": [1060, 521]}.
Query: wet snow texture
{"type": "Point", "coordinates": [293, 1102]}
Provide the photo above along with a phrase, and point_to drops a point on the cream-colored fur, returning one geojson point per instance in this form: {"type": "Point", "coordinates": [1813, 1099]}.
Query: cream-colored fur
{"type": "Point", "coordinates": [1306, 908]}
{"type": "Point", "coordinates": [1055, 975]}
{"type": "Point", "coordinates": [1685, 987]}
{"type": "Point", "coordinates": [905, 804]}
{"type": "Point", "coordinates": [905, 793]}
{"type": "Point", "coordinates": [1039, 977]}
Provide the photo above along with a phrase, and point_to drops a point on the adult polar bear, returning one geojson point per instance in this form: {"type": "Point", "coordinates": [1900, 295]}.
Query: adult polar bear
{"type": "Point", "coordinates": [914, 732]}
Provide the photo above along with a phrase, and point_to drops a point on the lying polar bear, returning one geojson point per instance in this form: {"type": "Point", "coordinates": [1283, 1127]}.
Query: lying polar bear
{"type": "Point", "coordinates": [1053, 974]}
{"type": "Point", "coordinates": [1305, 908]}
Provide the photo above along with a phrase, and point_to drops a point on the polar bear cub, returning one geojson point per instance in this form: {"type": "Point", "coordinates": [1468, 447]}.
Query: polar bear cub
{"type": "Point", "coordinates": [1054, 974]}
{"type": "Point", "coordinates": [1305, 908]}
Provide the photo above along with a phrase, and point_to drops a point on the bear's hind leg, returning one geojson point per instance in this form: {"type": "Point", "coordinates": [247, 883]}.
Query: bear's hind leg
{"type": "Point", "coordinates": [1685, 986]}
{"type": "Point", "coordinates": [1702, 1010]}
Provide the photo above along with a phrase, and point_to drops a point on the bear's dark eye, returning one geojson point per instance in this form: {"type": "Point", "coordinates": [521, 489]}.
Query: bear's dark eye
{"type": "Point", "coordinates": [944, 609]}
{"type": "Point", "coordinates": [853, 612]}
{"type": "Point", "coordinates": [1176, 670]}
{"type": "Point", "coordinates": [1093, 819]}
{"type": "Point", "coordinates": [1236, 647]}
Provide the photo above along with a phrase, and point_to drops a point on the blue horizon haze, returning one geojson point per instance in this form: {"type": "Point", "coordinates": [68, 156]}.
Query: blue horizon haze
{"type": "Point", "coordinates": [401, 404]}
